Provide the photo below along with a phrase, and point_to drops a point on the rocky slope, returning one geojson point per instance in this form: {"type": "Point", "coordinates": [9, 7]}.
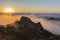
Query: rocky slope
{"type": "Point", "coordinates": [25, 29]}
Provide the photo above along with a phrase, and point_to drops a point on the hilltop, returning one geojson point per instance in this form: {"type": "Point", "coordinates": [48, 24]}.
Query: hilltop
{"type": "Point", "coordinates": [26, 29]}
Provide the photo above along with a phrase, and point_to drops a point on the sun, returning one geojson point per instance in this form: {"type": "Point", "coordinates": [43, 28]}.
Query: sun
{"type": "Point", "coordinates": [8, 10]}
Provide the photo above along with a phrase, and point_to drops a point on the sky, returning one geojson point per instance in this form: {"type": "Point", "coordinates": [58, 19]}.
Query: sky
{"type": "Point", "coordinates": [35, 6]}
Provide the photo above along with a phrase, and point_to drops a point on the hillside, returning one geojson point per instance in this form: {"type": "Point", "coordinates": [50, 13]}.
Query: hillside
{"type": "Point", "coordinates": [25, 29]}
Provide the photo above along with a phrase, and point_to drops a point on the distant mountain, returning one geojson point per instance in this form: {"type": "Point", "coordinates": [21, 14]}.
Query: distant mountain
{"type": "Point", "coordinates": [1, 13]}
{"type": "Point", "coordinates": [14, 14]}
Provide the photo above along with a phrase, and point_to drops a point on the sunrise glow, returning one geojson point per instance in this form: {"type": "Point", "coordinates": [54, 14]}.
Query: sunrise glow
{"type": "Point", "coordinates": [8, 10]}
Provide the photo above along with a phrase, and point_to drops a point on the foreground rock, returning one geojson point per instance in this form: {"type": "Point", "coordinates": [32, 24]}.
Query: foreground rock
{"type": "Point", "coordinates": [25, 29]}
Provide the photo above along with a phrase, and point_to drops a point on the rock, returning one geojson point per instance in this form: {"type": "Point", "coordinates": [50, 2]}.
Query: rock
{"type": "Point", "coordinates": [34, 30]}
{"type": "Point", "coordinates": [26, 29]}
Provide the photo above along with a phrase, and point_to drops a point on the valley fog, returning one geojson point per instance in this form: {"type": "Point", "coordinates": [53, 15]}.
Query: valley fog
{"type": "Point", "coordinates": [50, 25]}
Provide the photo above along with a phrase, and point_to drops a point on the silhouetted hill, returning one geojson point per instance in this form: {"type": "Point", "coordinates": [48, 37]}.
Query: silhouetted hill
{"type": "Point", "coordinates": [25, 29]}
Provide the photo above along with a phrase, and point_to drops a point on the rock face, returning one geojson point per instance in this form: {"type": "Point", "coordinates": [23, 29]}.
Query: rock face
{"type": "Point", "coordinates": [26, 30]}
{"type": "Point", "coordinates": [33, 31]}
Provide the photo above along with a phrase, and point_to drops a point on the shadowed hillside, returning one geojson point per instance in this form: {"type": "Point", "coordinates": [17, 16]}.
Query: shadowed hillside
{"type": "Point", "coordinates": [25, 29]}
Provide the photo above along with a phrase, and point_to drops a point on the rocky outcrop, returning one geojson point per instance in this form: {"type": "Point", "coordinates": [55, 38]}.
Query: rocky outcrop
{"type": "Point", "coordinates": [33, 31]}
{"type": "Point", "coordinates": [25, 29]}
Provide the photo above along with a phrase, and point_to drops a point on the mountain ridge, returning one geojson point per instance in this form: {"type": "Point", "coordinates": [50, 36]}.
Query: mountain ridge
{"type": "Point", "coordinates": [26, 29]}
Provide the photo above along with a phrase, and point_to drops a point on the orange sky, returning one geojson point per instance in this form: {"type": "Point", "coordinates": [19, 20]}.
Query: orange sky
{"type": "Point", "coordinates": [34, 6]}
{"type": "Point", "coordinates": [32, 10]}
